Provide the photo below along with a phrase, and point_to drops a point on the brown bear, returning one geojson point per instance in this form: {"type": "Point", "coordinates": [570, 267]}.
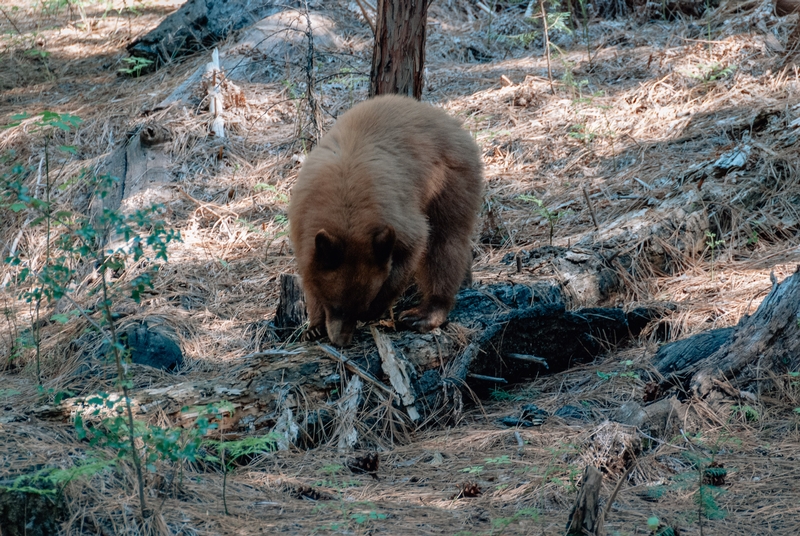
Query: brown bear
{"type": "Point", "coordinates": [390, 194]}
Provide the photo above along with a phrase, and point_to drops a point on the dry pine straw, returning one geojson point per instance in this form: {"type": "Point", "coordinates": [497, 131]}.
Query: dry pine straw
{"type": "Point", "coordinates": [651, 118]}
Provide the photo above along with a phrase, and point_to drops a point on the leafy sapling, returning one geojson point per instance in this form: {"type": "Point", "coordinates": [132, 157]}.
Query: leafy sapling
{"type": "Point", "coordinates": [135, 65]}
{"type": "Point", "coordinates": [551, 217]}
{"type": "Point", "coordinates": [80, 243]}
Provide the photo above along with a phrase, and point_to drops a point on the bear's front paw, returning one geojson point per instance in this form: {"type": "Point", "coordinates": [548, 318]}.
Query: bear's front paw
{"type": "Point", "coordinates": [423, 319]}
{"type": "Point", "coordinates": [314, 333]}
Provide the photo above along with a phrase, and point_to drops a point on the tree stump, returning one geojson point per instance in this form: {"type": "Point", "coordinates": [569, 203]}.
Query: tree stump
{"type": "Point", "coordinates": [767, 339]}
{"type": "Point", "coordinates": [583, 517]}
{"type": "Point", "coordinates": [291, 313]}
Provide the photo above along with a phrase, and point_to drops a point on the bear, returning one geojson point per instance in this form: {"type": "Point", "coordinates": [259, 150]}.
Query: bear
{"type": "Point", "coordinates": [389, 196]}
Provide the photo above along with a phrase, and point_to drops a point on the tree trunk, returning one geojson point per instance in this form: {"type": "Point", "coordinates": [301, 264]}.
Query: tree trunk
{"type": "Point", "coordinates": [398, 58]}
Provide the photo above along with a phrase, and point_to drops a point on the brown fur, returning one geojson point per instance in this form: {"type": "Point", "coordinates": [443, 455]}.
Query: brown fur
{"type": "Point", "coordinates": [390, 194]}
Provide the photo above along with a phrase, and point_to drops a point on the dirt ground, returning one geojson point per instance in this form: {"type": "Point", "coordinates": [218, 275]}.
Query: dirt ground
{"type": "Point", "coordinates": [636, 105]}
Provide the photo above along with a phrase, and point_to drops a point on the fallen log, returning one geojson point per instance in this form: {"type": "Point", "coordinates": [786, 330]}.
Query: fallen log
{"type": "Point", "coordinates": [545, 339]}
{"type": "Point", "coordinates": [766, 340]}
{"type": "Point", "coordinates": [199, 25]}
{"type": "Point", "coordinates": [500, 333]}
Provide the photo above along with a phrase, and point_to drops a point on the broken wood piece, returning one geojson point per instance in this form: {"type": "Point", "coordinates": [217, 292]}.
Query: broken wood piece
{"type": "Point", "coordinates": [346, 413]}
{"type": "Point", "coordinates": [214, 78]}
{"type": "Point", "coordinates": [591, 208]}
{"type": "Point", "coordinates": [583, 516]}
{"type": "Point", "coordinates": [764, 340]}
{"type": "Point", "coordinates": [399, 371]}
{"type": "Point", "coordinates": [197, 25]}
{"type": "Point", "coordinates": [506, 81]}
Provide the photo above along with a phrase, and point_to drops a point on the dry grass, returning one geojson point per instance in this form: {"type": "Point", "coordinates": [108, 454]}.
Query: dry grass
{"type": "Point", "coordinates": [658, 100]}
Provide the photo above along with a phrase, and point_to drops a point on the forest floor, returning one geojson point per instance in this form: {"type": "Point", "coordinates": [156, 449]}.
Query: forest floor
{"type": "Point", "coordinates": [634, 106]}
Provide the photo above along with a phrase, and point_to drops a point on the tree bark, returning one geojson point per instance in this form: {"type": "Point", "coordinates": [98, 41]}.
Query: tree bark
{"type": "Point", "coordinates": [398, 58]}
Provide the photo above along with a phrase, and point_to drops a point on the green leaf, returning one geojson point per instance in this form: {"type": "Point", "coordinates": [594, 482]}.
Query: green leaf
{"type": "Point", "coordinates": [652, 523]}
{"type": "Point", "coordinates": [17, 119]}
{"type": "Point", "coordinates": [60, 318]}
{"type": "Point", "coordinates": [16, 207]}
{"type": "Point", "coordinates": [68, 149]}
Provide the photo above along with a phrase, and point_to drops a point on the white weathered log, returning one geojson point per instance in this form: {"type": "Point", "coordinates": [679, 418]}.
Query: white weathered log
{"type": "Point", "coordinates": [398, 370]}
{"type": "Point", "coordinates": [346, 413]}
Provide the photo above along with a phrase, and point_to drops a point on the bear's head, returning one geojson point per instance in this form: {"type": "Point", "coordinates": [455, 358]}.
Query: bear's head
{"type": "Point", "coordinates": [347, 273]}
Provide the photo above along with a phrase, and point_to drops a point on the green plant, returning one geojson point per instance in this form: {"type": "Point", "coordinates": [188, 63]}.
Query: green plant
{"type": "Point", "coordinates": [522, 40]}
{"type": "Point", "coordinates": [627, 373]}
{"type": "Point", "coordinates": [794, 374]}
{"type": "Point", "coordinates": [231, 452]}
{"type": "Point", "coordinates": [499, 525]}
{"type": "Point", "coordinates": [582, 132]}
{"type": "Point", "coordinates": [556, 470]}
{"type": "Point", "coordinates": [360, 515]}
{"type": "Point", "coordinates": [79, 243]}
{"type": "Point", "coordinates": [17, 197]}
{"type": "Point", "coordinates": [748, 413]}
{"type": "Point", "coordinates": [473, 470]}
{"type": "Point", "coordinates": [551, 217]}
{"type": "Point", "coordinates": [350, 79]}
{"type": "Point", "coordinates": [501, 395]}
{"type": "Point", "coordinates": [585, 14]}
{"type": "Point", "coordinates": [135, 65]}
{"type": "Point", "coordinates": [362, 518]}
{"type": "Point", "coordinates": [708, 73]}
{"type": "Point", "coordinates": [50, 480]}
{"type": "Point", "coordinates": [333, 481]}
{"type": "Point", "coordinates": [713, 244]}
{"type": "Point", "coordinates": [705, 479]}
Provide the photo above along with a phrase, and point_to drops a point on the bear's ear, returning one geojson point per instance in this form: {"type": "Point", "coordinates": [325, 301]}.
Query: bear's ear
{"type": "Point", "coordinates": [383, 244]}
{"type": "Point", "coordinates": [329, 250]}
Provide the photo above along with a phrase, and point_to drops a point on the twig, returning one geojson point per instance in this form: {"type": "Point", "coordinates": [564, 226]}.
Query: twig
{"type": "Point", "coordinates": [547, 47]}
{"type": "Point", "coordinates": [316, 117]}
{"type": "Point", "coordinates": [487, 378]}
{"type": "Point", "coordinates": [591, 208]}
{"type": "Point", "coordinates": [366, 16]}
{"type": "Point", "coordinates": [602, 517]}
{"type": "Point", "coordinates": [273, 353]}
{"type": "Point", "coordinates": [355, 369]}
{"type": "Point", "coordinates": [3, 11]}
{"type": "Point", "coordinates": [529, 358]}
